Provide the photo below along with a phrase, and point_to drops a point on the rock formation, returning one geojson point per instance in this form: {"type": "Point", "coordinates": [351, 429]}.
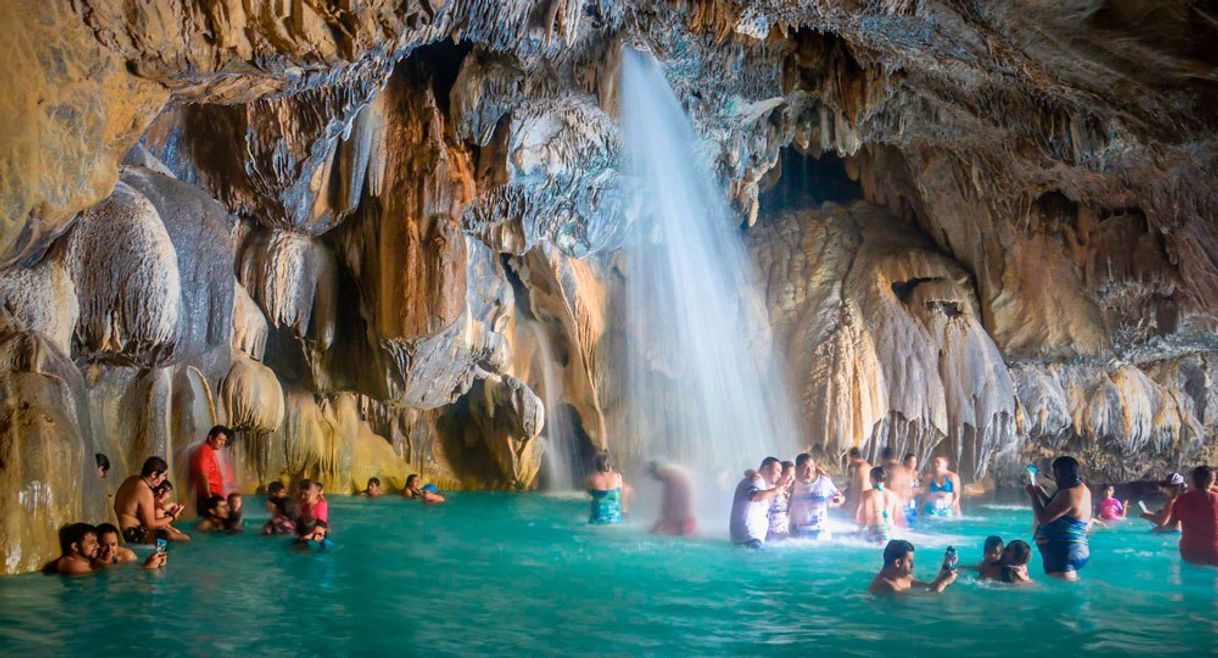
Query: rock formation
{"type": "Point", "coordinates": [326, 223]}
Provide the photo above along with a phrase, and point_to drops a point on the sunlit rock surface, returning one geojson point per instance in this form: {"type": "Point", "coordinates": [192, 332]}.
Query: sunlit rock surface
{"type": "Point", "coordinates": [329, 223]}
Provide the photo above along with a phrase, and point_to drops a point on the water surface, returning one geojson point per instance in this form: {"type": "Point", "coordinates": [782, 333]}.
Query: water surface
{"type": "Point", "coordinates": [508, 574]}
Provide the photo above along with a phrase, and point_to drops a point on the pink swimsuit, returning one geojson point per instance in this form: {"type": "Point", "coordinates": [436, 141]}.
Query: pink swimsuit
{"type": "Point", "coordinates": [1111, 509]}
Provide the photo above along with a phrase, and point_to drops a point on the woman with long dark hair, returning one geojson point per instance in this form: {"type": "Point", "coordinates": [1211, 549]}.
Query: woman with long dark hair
{"type": "Point", "coordinates": [1062, 520]}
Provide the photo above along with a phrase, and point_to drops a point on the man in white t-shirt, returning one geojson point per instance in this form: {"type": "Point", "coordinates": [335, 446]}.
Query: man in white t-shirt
{"type": "Point", "coordinates": [812, 496]}
{"type": "Point", "coordinates": [750, 519]}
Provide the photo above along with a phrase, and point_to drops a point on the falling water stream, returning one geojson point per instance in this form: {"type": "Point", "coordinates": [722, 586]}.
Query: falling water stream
{"type": "Point", "coordinates": [700, 391]}
{"type": "Point", "coordinates": [561, 452]}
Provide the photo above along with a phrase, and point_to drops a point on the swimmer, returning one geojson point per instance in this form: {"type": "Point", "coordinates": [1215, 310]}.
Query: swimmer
{"type": "Point", "coordinates": [1112, 509]}
{"type": "Point", "coordinates": [990, 567]}
{"type": "Point", "coordinates": [428, 493]}
{"type": "Point", "coordinates": [110, 551]}
{"type": "Point", "coordinates": [164, 506]}
{"type": "Point", "coordinates": [234, 522]}
{"type": "Point", "coordinates": [676, 502]}
{"type": "Point", "coordinates": [812, 495]}
{"type": "Point", "coordinates": [857, 471]}
{"type": "Point", "coordinates": [373, 490]}
{"type": "Point", "coordinates": [1172, 488]}
{"type": "Point", "coordinates": [215, 514]}
{"type": "Point", "coordinates": [897, 575]}
{"type": "Point", "coordinates": [1062, 520]}
{"type": "Point", "coordinates": [942, 496]}
{"type": "Point", "coordinates": [780, 518]}
{"type": "Point", "coordinates": [879, 510]}
{"type": "Point", "coordinates": [608, 490]}
{"type": "Point", "coordinates": [1015, 560]}
{"type": "Point", "coordinates": [135, 504]}
{"type": "Point", "coordinates": [750, 518]}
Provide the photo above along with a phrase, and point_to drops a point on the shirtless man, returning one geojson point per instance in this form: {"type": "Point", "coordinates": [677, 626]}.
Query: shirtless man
{"type": "Point", "coordinates": [857, 471]}
{"type": "Point", "coordinates": [879, 510]}
{"type": "Point", "coordinates": [897, 480]}
{"type": "Point", "coordinates": [215, 514]}
{"type": "Point", "coordinates": [135, 504]}
{"type": "Point", "coordinates": [676, 503]}
{"type": "Point", "coordinates": [897, 575]}
{"type": "Point", "coordinates": [373, 490]}
{"type": "Point", "coordinates": [80, 548]}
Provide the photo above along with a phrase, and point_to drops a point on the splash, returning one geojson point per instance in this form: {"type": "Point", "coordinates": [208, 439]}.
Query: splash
{"type": "Point", "coordinates": [700, 388]}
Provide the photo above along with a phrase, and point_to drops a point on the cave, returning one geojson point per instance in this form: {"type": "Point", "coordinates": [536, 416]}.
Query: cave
{"type": "Point", "coordinates": [493, 243]}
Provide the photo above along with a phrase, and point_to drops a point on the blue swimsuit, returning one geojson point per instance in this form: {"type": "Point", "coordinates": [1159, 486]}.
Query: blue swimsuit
{"type": "Point", "coordinates": [606, 506]}
{"type": "Point", "coordinates": [1063, 544]}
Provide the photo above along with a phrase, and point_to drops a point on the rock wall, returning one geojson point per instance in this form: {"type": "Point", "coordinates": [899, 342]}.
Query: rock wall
{"type": "Point", "coordinates": [342, 227]}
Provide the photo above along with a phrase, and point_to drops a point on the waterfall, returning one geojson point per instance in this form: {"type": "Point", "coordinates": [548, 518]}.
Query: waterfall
{"type": "Point", "coordinates": [561, 452]}
{"type": "Point", "coordinates": [701, 389]}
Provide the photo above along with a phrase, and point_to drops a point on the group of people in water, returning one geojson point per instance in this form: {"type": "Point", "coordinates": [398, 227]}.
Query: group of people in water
{"type": "Point", "coordinates": [147, 514]}
{"type": "Point", "coordinates": [781, 499]}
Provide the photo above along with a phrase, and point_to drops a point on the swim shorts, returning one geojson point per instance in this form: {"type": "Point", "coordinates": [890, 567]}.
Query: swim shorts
{"type": "Point", "coordinates": [135, 535]}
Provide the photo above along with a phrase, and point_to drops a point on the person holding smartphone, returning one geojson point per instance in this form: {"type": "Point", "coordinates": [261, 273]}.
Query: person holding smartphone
{"type": "Point", "coordinates": [896, 577]}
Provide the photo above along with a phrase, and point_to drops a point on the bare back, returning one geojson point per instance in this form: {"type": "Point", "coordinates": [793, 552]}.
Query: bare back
{"type": "Point", "coordinates": [134, 504]}
{"type": "Point", "coordinates": [604, 480]}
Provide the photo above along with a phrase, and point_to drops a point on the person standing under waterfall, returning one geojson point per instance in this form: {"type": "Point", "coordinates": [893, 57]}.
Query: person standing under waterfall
{"type": "Point", "coordinates": [676, 505]}
{"type": "Point", "coordinates": [750, 520]}
{"type": "Point", "coordinates": [1061, 533]}
{"type": "Point", "coordinates": [206, 474]}
{"type": "Point", "coordinates": [858, 472]}
{"type": "Point", "coordinates": [610, 493]}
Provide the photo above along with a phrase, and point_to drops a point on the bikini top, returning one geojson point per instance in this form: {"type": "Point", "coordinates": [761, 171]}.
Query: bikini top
{"type": "Point", "coordinates": [946, 487]}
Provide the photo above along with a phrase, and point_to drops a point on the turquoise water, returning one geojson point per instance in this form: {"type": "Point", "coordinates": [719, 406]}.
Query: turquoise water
{"type": "Point", "coordinates": [522, 574]}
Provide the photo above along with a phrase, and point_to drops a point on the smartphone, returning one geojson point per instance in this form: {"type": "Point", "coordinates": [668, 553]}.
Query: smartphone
{"type": "Point", "coordinates": [162, 544]}
{"type": "Point", "coordinates": [1032, 471]}
{"type": "Point", "coordinates": [950, 559]}
{"type": "Point", "coordinates": [1142, 505]}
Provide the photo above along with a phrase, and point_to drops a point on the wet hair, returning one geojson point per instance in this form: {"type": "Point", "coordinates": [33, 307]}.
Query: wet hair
{"type": "Point", "coordinates": [1065, 471]}
{"type": "Point", "coordinates": [878, 474]}
{"type": "Point", "coordinates": [854, 452]}
{"type": "Point", "coordinates": [106, 529]}
{"type": "Point", "coordinates": [888, 453]}
{"type": "Point", "coordinates": [801, 459]}
{"type": "Point", "coordinates": [212, 503]}
{"type": "Point", "coordinates": [274, 488]}
{"type": "Point", "coordinates": [992, 542]}
{"type": "Point", "coordinates": [152, 466]}
{"type": "Point", "coordinates": [74, 533]}
{"type": "Point", "coordinates": [909, 456]}
{"type": "Point", "coordinates": [304, 485]}
{"type": "Point", "coordinates": [1020, 553]}
{"type": "Point", "coordinates": [220, 429]}
{"type": "Point", "coordinates": [765, 463]}
{"type": "Point", "coordinates": [103, 462]}
{"type": "Point", "coordinates": [413, 477]}
{"type": "Point", "coordinates": [1202, 475]}
{"type": "Point", "coordinates": [788, 465]}
{"type": "Point", "coordinates": [897, 549]}
{"type": "Point", "coordinates": [604, 463]}
{"type": "Point", "coordinates": [374, 481]}
{"type": "Point", "coordinates": [162, 488]}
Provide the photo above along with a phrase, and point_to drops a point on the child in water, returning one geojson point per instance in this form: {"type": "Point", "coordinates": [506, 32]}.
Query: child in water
{"type": "Point", "coordinates": [1112, 509]}
{"type": "Point", "coordinates": [1015, 563]}
{"type": "Point", "coordinates": [991, 565]}
{"type": "Point", "coordinates": [234, 522]}
{"type": "Point", "coordinates": [780, 518]}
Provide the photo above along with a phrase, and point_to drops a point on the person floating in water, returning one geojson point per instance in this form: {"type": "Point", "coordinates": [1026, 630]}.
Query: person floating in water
{"type": "Point", "coordinates": [941, 498]}
{"type": "Point", "coordinates": [858, 472]}
{"type": "Point", "coordinates": [676, 504]}
{"type": "Point", "coordinates": [812, 494]}
{"type": "Point", "coordinates": [1197, 514]}
{"type": "Point", "coordinates": [610, 493]}
{"type": "Point", "coordinates": [1061, 533]}
{"type": "Point", "coordinates": [750, 520]}
{"type": "Point", "coordinates": [879, 510]}
{"type": "Point", "coordinates": [1112, 509]}
{"type": "Point", "coordinates": [896, 577]}
{"type": "Point", "coordinates": [1172, 488]}
{"type": "Point", "coordinates": [135, 503]}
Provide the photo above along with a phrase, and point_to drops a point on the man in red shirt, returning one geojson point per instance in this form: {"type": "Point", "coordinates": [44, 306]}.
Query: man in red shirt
{"type": "Point", "coordinates": [206, 473]}
{"type": "Point", "coordinates": [1197, 513]}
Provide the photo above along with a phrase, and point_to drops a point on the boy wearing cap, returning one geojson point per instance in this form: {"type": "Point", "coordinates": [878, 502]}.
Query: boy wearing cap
{"type": "Point", "coordinates": [1172, 487]}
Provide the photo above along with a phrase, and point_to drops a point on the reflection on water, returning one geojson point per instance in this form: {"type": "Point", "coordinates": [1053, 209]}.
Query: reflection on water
{"type": "Point", "coordinates": [493, 573]}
